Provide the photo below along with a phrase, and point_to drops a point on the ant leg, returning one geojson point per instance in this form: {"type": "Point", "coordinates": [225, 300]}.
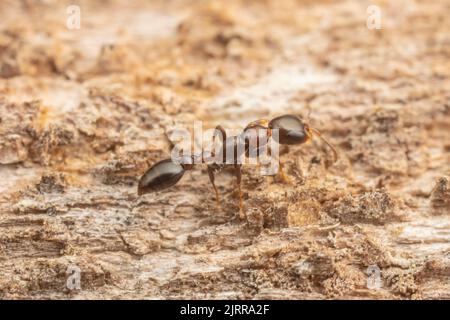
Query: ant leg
{"type": "Point", "coordinates": [211, 178]}
{"type": "Point", "coordinates": [222, 131]}
{"type": "Point", "coordinates": [281, 174]}
{"type": "Point", "coordinates": [284, 178]}
{"type": "Point", "coordinates": [239, 180]}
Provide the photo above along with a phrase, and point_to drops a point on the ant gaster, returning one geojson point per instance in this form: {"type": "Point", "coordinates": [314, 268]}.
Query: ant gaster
{"type": "Point", "coordinates": [291, 131]}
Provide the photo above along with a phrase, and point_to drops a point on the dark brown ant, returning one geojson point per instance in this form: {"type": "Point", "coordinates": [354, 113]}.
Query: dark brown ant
{"type": "Point", "coordinates": [291, 131]}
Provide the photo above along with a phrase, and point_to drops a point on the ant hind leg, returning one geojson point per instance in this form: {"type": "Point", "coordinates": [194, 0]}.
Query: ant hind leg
{"type": "Point", "coordinates": [211, 178]}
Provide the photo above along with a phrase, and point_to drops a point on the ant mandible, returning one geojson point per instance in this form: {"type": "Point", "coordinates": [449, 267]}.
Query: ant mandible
{"type": "Point", "coordinates": [292, 130]}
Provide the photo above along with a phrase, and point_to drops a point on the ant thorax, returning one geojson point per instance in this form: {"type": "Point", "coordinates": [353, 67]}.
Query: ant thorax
{"type": "Point", "coordinates": [254, 146]}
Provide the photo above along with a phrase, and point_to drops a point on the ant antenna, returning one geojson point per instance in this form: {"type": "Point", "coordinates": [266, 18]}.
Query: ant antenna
{"type": "Point", "coordinates": [317, 133]}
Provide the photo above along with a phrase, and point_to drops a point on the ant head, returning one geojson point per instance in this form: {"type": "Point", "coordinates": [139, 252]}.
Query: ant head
{"type": "Point", "coordinates": [160, 176]}
{"type": "Point", "coordinates": [291, 129]}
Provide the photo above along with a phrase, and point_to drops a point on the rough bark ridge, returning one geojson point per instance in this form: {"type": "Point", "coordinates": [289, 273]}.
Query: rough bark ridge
{"type": "Point", "coordinates": [83, 114]}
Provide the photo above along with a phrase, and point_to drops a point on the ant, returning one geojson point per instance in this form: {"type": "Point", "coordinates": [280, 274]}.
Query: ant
{"type": "Point", "coordinates": [292, 130]}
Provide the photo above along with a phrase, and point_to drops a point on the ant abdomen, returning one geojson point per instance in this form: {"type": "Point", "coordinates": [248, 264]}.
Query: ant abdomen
{"type": "Point", "coordinates": [160, 176]}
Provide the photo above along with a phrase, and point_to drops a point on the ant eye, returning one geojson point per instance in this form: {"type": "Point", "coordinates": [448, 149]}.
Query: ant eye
{"type": "Point", "coordinates": [162, 175]}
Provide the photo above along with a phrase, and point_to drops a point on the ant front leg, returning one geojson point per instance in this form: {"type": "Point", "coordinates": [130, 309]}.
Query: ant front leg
{"type": "Point", "coordinates": [211, 178]}
{"type": "Point", "coordinates": [280, 173]}
{"type": "Point", "coordinates": [283, 176]}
